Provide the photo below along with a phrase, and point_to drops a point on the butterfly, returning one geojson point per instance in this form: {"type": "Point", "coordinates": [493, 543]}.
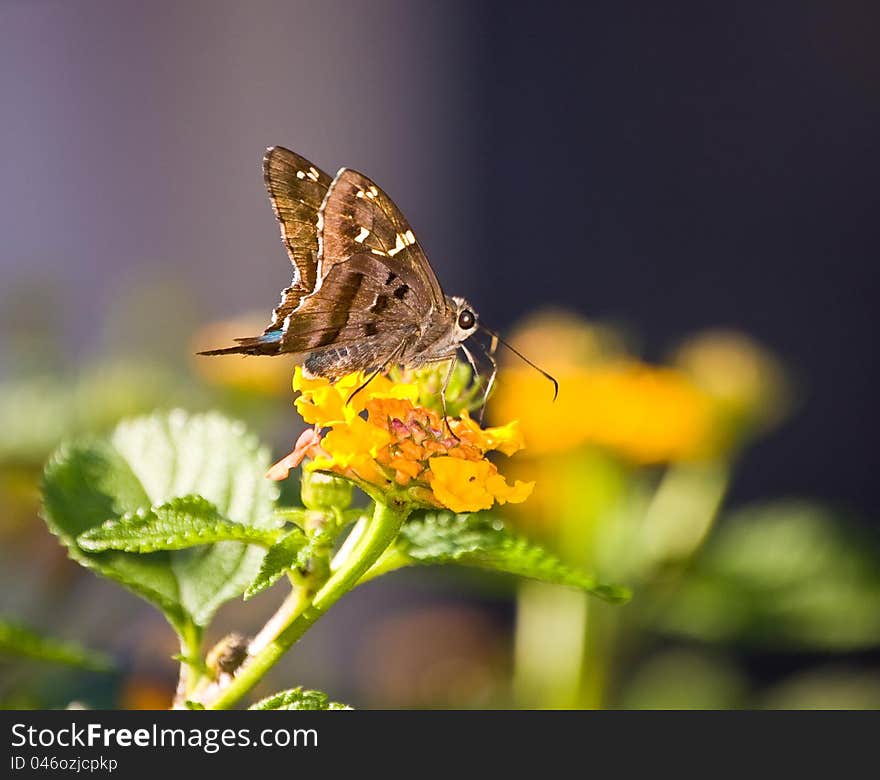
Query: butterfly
{"type": "Point", "coordinates": [364, 296]}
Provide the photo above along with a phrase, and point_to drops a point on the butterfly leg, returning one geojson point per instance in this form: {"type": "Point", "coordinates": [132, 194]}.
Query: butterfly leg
{"type": "Point", "coordinates": [473, 364]}
{"type": "Point", "coordinates": [470, 359]}
{"type": "Point", "coordinates": [443, 390]}
{"type": "Point", "coordinates": [391, 358]}
{"type": "Point", "coordinates": [490, 353]}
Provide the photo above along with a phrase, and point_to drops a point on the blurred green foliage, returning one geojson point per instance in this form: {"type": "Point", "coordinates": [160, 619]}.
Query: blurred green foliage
{"type": "Point", "coordinates": [38, 412]}
{"type": "Point", "coordinates": [19, 640]}
{"type": "Point", "coordinates": [786, 574]}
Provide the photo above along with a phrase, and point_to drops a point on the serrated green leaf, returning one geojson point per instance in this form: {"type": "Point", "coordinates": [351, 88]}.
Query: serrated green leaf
{"type": "Point", "coordinates": [280, 557]}
{"type": "Point", "coordinates": [298, 699]}
{"type": "Point", "coordinates": [181, 523]}
{"type": "Point", "coordinates": [481, 540]}
{"type": "Point", "coordinates": [147, 462]}
{"type": "Point", "coordinates": [18, 640]}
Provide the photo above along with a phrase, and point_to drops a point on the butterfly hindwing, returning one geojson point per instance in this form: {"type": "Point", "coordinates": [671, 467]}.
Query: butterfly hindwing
{"type": "Point", "coordinates": [296, 190]}
{"type": "Point", "coordinates": [357, 313]}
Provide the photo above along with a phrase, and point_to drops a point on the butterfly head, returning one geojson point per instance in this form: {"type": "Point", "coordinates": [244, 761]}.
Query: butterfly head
{"type": "Point", "coordinates": [465, 322]}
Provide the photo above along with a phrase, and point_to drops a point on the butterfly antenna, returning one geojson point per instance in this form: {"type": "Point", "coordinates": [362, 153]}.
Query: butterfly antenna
{"type": "Point", "coordinates": [522, 357]}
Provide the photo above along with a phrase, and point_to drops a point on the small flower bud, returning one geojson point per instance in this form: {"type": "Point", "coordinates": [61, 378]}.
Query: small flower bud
{"type": "Point", "coordinates": [323, 491]}
{"type": "Point", "coordinates": [312, 572]}
{"type": "Point", "coordinates": [227, 655]}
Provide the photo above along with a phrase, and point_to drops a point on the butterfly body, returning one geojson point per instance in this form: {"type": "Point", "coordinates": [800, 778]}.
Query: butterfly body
{"type": "Point", "coordinates": [363, 295]}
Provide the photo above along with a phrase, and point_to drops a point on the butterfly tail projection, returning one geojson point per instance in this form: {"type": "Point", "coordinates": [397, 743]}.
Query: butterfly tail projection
{"type": "Point", "coordinates": [268, 343]}
{"type": "Point", "coordinates": [296, 190]}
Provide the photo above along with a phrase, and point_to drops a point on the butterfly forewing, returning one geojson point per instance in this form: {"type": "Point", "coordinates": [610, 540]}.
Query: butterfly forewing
{"type": "Point", "coordinates": [357, 217]}
{"type": "Point", "coordinates": [296, 189]}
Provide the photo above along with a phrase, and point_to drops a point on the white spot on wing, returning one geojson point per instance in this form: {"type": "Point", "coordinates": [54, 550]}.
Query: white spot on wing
{"type": "Point", "coordinates": [360, 237]}
{"type": "Point", "coordinates": [313, 174]}
{"type": "Point", "coordinates": [300, 175]}
{"type": "Point", "coordinates": [409, 238]}
{"type": "Point", "coordinates": [399, 245]}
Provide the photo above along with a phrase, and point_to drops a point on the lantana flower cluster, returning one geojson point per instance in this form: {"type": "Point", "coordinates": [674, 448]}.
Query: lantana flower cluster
{"type": "Point", "coordinates": [383, 439]}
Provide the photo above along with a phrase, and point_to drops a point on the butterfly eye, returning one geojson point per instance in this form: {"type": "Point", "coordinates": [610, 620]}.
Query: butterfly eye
{"type": "Point", "coordinates": [466, 320]}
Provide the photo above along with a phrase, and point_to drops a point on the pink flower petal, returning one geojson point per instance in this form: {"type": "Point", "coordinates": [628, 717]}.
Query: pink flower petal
{"type": "Point", "coordinates": [308, 442]}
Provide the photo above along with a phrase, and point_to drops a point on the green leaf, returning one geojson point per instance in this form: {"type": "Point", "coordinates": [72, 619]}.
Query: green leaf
{"type": "Point", "coordinates": [481, 540]}
{"type": "Point", "coordinates": [146, 463]}
{"type": "Point", "coordinates": [298, 699]}
{"type": "Point", "coordinates": [183, 522]}
{"type": "Point", "coordinates": [788, 574]}
{"type": "Point", "coordinates": [18, 640]}
{"type": "Point", "coordinates": [280, 557]}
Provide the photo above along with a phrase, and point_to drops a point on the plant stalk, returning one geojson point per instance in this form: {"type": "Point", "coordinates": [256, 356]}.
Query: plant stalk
{"type": "Point", "coordinates": [190, 652]}
{"type": "Point", "coordinates": [380, 532]}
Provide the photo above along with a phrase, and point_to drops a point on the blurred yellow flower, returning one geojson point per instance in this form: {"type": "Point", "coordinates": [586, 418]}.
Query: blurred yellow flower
{"type": "Point", "coordinates": [383, 439]}
{"type": "Point", "coordinates": [746, 381]}
{"type": "Point", "coordinates": [238, 372]}
{"type": "Point", "coordinates": [646, 414]}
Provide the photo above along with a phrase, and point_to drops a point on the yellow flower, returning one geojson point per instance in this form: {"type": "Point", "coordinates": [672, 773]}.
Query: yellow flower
{"type": "Point", "coordinates": [465, 486]}
{"type": "Point", "coordinates": [747, 383]}
{"type": "Point", "coordinates": [385, 441]}
{"type": "Point", "coordinates": [357, 437]}
{"type": "Point", "coordinates": [325, 404]}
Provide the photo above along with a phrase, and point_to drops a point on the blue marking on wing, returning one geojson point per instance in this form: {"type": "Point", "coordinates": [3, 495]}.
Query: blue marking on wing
{"type": "Point", "coordinates": [271, 337]}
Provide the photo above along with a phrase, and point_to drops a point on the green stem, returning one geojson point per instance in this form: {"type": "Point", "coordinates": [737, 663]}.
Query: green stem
{"type": "Point", "coordinates": [391, 560]}
{"type": "Point", "coordinates": [379, 534]}
{"type": "Point", "coordinates": [598, 652]}
{"type": "Point", "coordinates": [294, 605]}
{"type": "Point", "coordinates": [190, 652]}
{"type": "Point", "coordinates": [549, 646]}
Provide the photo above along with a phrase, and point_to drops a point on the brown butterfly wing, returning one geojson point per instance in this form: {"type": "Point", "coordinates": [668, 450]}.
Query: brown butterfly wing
{"type": "Point", "coordinates": [296, 190]}
{"type": "Point", "coordinates": [357, 319]}
{"type": "Point", "coordinates": [358, 217]}
{"type": "Point", "coordinates": [375, 288]}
